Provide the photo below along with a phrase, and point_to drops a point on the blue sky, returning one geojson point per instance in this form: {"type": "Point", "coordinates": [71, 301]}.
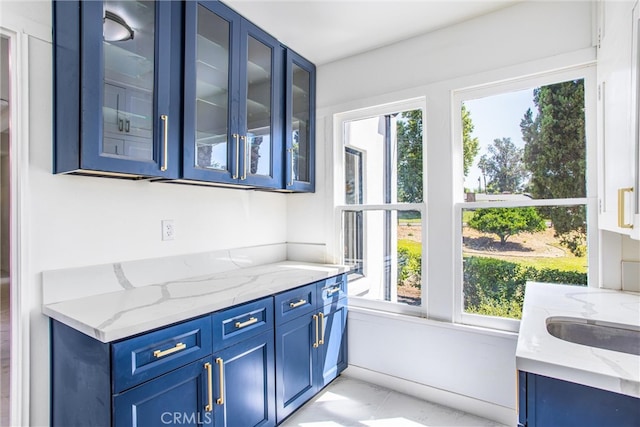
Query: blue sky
{"type": "Point", "coordinates": [497, 116]}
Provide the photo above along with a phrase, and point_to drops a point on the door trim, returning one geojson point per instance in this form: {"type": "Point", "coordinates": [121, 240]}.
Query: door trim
{"type": "Point", "coordinates": [19, 163]}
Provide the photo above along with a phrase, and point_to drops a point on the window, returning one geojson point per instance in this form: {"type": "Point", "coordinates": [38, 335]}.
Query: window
{"type": "Point", "coordinates": [382, 214]}
{"type": "Point", "coordinates": [525, 210]}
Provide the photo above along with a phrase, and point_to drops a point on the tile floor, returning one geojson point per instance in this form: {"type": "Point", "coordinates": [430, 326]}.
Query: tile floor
{"type": "Point", "coordinates": [348, 402]}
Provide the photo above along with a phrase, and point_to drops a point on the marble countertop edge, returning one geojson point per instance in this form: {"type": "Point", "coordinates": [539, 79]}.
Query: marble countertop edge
{"type": "Point", "coordinates": [604, 381]}
{"type": "Point", "coordinates": [538, 352]}
{"type": "Point", "coordinates": [125, 313]}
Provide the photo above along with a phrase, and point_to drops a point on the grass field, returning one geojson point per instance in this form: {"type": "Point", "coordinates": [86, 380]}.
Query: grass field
{"type": "Point", "coordinates": [414, 248]}
{"type": "Point", "coordinates": [568, 263]}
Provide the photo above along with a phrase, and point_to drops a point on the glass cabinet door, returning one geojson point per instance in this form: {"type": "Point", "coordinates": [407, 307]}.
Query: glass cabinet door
{"type": "Point", "coordinates": [260, 115]}
{"type": "Point", "coordinates": [127, 59]}
{"type": "Point", "coordinates": [300, 124]}
{"type": "Point", "coordinates": [232, 129]}
{"type": "Point", "coordinates": [212, 91]}
{"type": "Point", "coordinates": [211, 148]}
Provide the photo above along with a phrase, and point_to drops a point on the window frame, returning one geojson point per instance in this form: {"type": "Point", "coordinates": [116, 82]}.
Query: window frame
{"type": "Point", "coordinates": [340, 206]}
{"type": "Point", "coordinates": [588, 74]}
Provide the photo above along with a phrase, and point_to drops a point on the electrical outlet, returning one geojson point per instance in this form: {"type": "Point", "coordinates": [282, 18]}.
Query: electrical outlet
{"type": "Point", "coordinates": [168, 229]}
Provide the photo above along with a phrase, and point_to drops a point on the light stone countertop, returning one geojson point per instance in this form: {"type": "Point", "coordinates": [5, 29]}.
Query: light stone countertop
{"type": "Point", "coordinates": [539, 352]}
{"type": "Point", "coordinates": [132, 309]}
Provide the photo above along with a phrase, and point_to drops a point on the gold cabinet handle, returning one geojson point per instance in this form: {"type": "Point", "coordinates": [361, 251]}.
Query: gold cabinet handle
{"type": "Point", "coordinates": [209, 406]}
{"type": "Point", "coordinates": [235, 175]}
{"type": "Point", "coordinates": [251, 321]}
{"type": "Point", "coordinates": [621, 207]}
{"type": "Point", "coordinates": [161, 353]}
{"type": "Point", "coordinates": [333, 290]}
{"type": "Point", "coordinates": [315, 318]}
{"type": "Point", "coordinates": [321, 315]}
{"type": "Point", "coordinates": [297, 304]}
{"type": "Point", "coordinates": [220, 363]}
{"type": "Point", "coordinates": [165, 145]}
{"type": "Point", "coordinates": [290, 150]}
{"type": "Point", "coordinates": [246, 156]}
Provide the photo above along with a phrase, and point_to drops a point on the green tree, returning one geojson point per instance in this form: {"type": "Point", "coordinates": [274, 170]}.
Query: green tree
{"type": "Point", "coordinates": [507, 222]}
{"type": "Point", "coordinates": [555, 154]}
{"type": "Point", "coordinates": [409, 134]}
{"type": "Point", "coordinates": [470, 145]}
{"type": "Point", "coordinates": [504, 166]}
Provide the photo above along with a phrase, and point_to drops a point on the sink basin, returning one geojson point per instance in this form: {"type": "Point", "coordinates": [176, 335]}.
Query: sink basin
{"type": "Point", "coordinates": [609, 336]}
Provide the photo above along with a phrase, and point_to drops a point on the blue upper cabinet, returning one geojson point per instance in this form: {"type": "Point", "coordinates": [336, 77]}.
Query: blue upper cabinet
{"type": "Point", "coordinates": [117, 80]}
{"type": "Point", "coordinates": [179, 91]}
{"type": "Point", "coordinates": [300, 125]}
{"type": "Point", "coordinates": [233, 99]}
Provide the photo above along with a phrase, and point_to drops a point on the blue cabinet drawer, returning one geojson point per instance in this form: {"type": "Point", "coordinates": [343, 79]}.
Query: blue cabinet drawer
{"type": "Point", "coordinates": [147, 356]}
{"type": "Point", "coordinates": [239, 323]}
{"type": "Point", "coordinates": [295, 302]}
{"type": "Point", "coordinates": [332, 289]}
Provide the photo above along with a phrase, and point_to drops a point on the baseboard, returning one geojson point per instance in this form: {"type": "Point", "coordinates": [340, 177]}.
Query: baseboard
{"type": "Point", "coordinates": [491, 411]}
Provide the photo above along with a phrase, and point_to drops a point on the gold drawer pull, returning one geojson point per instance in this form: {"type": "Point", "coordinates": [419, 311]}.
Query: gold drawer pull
{"type": "Point", "coordinates": [251, 321]}
{"type": "Point", "coordinates": [290, 150]}
{"type": "Point", "coordinates": [165, 144]}
{"type": "Point", "coordinates": [220, 363]}
{"type": "Point", "coordinates": [321, 315]}
{"type": "Point", "coordinates": [162, 353]}
{"type": "Point", "coordinates": [315, 318]}
{"type": "Point", "coordinates": [297, 304]}
{"type": "Point", "coordinates": [333, 290]}
{"type": "Point", "coordinates": [209, 406]}
{"type": "Point", "coordinates": [247, 155]}
{"type": "Point", "coordinates": [235, 175]}
{"type": "Point", "coordinates": [621, 207]}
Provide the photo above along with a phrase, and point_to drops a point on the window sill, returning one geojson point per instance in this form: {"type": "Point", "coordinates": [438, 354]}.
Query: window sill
{"type": "Point", "coordinates": [365, 313]}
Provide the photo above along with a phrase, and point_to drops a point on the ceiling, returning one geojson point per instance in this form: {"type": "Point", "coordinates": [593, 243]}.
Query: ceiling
{"type": "Point", "coordinates": [327, 30]}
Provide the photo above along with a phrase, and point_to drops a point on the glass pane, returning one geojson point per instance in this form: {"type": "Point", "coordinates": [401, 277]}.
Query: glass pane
{"type": "Point", "coordinates": [259, 108]}
{"type": "Point", "coordinates": [353, 176]}
{"type": "Point", "coordinates": [409, 157]}
{"type": "Point", "coordinates": [393, 147]}
{"type": "Point", "coordinates": [300, 124]}
{"type": "Point", "coordinates": [524, 145]}
{"type": "Point", "coordinates": [212, 91]}
{"type": "Point", "coordinates": [128, 50]}
{"type": "Point", "coordinates": [385, 249]}
{"type": "Point", "coordinates": [503, 248]}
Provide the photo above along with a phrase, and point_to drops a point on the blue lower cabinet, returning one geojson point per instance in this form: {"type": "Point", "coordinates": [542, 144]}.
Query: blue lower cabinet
{"type": "Point", "coordinates": [545, 401]}
{"type": "Point", "coordinates": [177, 398]}
{"type": "Point", "coordinates": [332, 353]}
{"type": "Point", "coordinates": [239, 367]}
{"type": "Point", "coordinates": [244, 384]}
{"type": "Point", "coordinates": [311, 349]}
{"type": "Point", "coordinates": [296, 359]}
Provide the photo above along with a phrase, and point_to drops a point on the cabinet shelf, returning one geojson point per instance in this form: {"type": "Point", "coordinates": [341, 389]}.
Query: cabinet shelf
{"type": "Point", "coordinates": [210, 139]}
{"type": "Point", "coordinates": [257, 74]}
{"type": "Point", "coordinates": [211, 53]}
{"type": "Point", "coordinates": [124, 66]}
{"type": "Point", "coordinates": [128, 114]}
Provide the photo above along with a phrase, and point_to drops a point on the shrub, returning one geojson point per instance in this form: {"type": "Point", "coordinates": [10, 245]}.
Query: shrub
{"type": "Point", "coordinates": [409, 265]}
{"type": "Point", "coordinates": [506, 222]}
{"type": "Point", "coordinates": [495, 287]}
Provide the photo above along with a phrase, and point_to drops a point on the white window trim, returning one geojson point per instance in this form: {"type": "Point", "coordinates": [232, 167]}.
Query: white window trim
{"type": "Point", "coordinates": [339, 199]}
{"type": "Point", "coordinates": [586, 72]}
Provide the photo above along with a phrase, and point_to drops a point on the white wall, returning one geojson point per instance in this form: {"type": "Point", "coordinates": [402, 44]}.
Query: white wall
{"type": "Point", "coordinates": [75, 221]}
{"type": "Point", "coordinates": [517, 41]}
